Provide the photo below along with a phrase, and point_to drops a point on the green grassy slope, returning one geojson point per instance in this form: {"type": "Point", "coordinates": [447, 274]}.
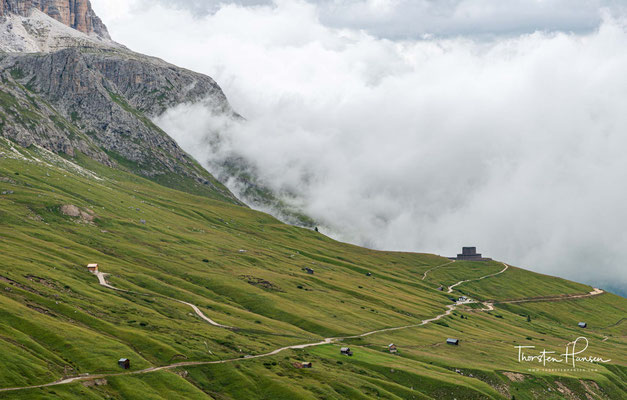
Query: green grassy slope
{"type": "Point", "coordinates": [245, 269]}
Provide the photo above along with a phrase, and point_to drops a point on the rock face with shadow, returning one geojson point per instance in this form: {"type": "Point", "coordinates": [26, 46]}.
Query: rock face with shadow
{"type": "Point", "coordinates": [76, 14]}
{"type": "Point", "coordinates": [95, 98]}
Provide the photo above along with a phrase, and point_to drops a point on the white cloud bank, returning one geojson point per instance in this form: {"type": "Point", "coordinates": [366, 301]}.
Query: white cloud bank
{"type": "Point", "coordinates": [517, 145]}
{"type": "Point", "coordinates": [414, 18]}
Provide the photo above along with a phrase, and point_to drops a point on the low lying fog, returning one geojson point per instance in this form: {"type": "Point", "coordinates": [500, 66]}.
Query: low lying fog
{"type": "Point", "coordinates": [515, 143]}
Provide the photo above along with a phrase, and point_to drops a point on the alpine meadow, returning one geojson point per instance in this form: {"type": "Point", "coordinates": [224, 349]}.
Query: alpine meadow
{"type": "Point", "coordinates": [128, 270]}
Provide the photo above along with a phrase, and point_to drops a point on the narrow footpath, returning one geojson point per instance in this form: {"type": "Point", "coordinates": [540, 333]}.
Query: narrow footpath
{"type": "Point", "coordinates": [450, 288]}
{"type": "Point", "coordinates": [424, 276]}
{"type": "Point", "coordinates": [103, 281]}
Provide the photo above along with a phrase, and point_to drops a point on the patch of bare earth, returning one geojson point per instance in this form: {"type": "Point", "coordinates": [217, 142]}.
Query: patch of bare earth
{"type": "Point", "coordinates": [43, 281]}
{"type": "Point", "coordinates": [7, 180]}
{"type": "Point", "coordinates": [565, 391]}
{"type": "Point", "coordinates": [50, 285]}
{"type": "Point", "coordinates": [35, 217]}
{"type": "Point", "coordinates": [68, 371]}
{"type": "Point", "coordinates": [497, 385]}
{"type": "Point", "coordinates": [85, 215]}
{"type": "Point", "coordinates": [182, 374]}
{"type": "Point", "coordinates": [17, 284]}
{"type": "Point", "coordinates": [262, 283]}
{"type": "Point", "coordinates": [514, 376]}
{"type": "Point", "coordinates": [593, 391]}
{"type": "Point", "coordinates": [39, 309]}
{"type": "Point", "coordinates": [95, 382]}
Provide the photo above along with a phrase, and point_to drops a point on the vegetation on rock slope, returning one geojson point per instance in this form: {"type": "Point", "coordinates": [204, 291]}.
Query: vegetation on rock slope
{"type": "Point", "coordinates": [97, 102]}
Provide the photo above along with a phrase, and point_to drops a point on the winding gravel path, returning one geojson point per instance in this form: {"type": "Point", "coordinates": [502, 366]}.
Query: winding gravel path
{"type": "Point", "coordinates": [424, 276]}
{"type": "Point", "coordinates": [594, 292]}
{"type": "Point", "coordinates": [450, 288]}
{"type": "Point", "coordinates": [102, 280]}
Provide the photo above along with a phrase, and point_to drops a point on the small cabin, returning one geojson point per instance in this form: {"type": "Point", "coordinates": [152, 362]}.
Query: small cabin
{"type": "Point", "coordinates": [369, 274]}
{"type": "Point", "coordinates": [309, 270]}
{"type": "Point", "coordinates": [454, 342]}
{"type": "Point", "coordinates": [441, 289]}
{"type": "Point", "coordinates": [93, 268]}
{"type": "Point", "coordinates": [462, 299]}
{"type": "Point", "coordinates": [582, 325]}
{"type": "Point", "coordinates": [346, 351]}
{"type": "Point", "coordinates": [307, 365]}
{"type": "Point", "coordinates": [124, 363]}
{"type": "Point", "coordinates": [392, 348]}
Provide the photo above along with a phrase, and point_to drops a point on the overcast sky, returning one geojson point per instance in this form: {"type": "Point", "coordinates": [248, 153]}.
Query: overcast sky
{"type": "Point", "coordinates": [418, 125]}
{"type": "Point", "coordinates": [403, 19]}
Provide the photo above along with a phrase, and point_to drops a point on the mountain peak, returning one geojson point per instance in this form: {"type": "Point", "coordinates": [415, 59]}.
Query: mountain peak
{"type": "Point", "coordinates": [76, 14]}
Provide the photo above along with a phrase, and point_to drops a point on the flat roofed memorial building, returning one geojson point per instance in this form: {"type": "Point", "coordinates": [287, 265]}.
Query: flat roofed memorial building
{"type": "Point", "coordinates": [470, 254]}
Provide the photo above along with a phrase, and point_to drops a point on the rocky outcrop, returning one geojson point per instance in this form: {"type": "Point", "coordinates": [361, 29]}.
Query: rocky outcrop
{"type": "Point", "coordinates": [65, 86]}
{"type": "Point", "coordinates": [97, 102]}
{"type": "Point", "coordinates": [76, 14]}
{"type": "Point", "coordinates": [84, 215]}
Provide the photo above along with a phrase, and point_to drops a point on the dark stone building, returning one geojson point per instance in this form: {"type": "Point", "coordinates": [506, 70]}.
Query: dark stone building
{"type": "Point", "coordinates": [470, 254]}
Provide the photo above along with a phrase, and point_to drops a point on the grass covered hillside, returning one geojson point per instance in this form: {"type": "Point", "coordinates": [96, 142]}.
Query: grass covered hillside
{"type": "Point", "coordinates": [245, 270]}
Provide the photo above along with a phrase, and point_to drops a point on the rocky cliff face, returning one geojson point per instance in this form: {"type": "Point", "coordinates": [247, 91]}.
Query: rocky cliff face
{"type": "Point", "coordinates": [66, 87]}
{"type": "Point", "coordinates": [96, 102]}
{"type": "Point", "coordinates": [76, 14]}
